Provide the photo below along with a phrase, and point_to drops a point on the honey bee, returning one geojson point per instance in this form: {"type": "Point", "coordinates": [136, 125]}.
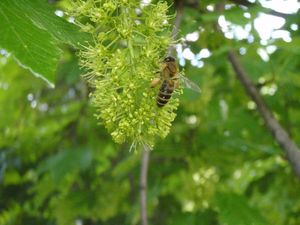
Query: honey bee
{"type": "Point", "coordinates": [170, 79]}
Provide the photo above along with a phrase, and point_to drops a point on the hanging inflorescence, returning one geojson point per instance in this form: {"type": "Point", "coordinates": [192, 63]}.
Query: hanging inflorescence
{"type": "Point", "coordinates": [130, 40]}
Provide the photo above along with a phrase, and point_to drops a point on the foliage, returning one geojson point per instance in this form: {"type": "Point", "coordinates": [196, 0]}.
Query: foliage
{"type": "Point", "coordinates": [218, 165]}
{"type": "Point", "coordinates": [32, 33]}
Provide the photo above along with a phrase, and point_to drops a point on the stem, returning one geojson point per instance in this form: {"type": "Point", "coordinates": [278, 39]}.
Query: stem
{"type": "Point", "coordinates": [281, 136]}
{"type": "Point", "coordinates": [146, 151]}
{"type": "Point", "coordinates": [129, 42]}
{"type": "Point", "coordinates": [179, 4]}
{"type": "Point", "coordinates": [143, 185]}
{"type": "Point", "coordinates": [131, 52]}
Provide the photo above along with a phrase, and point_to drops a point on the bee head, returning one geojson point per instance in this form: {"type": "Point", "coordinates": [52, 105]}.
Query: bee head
{"type": "Point", "coordinates": [169, 59]}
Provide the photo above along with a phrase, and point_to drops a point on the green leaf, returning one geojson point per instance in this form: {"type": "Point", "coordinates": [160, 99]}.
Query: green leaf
{"type": "Point", "coordinates": [31, 31]}
{"type": "Point", "coordinates": [31, 46]}
{"type": "Point", "coordinates": [66, 162]}
{"type": "Point", "coordinates": [210, 17]}
{"type": "Point", "coordinates": [43, 16]}
{"type": "Point", "coordinates": [235, 15]}
{"type": "Point", "coordinates": [234, 209]}
{"type": "Point", "coordinates": [291, 47]}
{"type": "Point", "coordinates": [69, 69]}
{"type": "Point", "coordinates": [197, 218]}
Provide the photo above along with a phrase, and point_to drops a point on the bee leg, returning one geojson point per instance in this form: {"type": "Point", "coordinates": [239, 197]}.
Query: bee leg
{"type": "Point", "coordinates": [155, 82]}
{"type": "Point", "coordinates": [176, 82]}
{"type": "Point", "coordinates": [157, 73]}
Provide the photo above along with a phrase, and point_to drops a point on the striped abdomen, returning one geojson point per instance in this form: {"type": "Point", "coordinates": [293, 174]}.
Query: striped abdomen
{"type": "Point", "coordinates": [165, 93]}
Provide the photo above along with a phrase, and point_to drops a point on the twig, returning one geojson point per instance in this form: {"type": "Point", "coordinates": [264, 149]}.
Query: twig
{"type": "Point", "coordinates": [281, 136]}
{"type": "Point", "coordinates": [179, 5]}
{"type": "Point", "coordinates": [143, 185]}
{"type": "Point", "coordinates": [267, 11]}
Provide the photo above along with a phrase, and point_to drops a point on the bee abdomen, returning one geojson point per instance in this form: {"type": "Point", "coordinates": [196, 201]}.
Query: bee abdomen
{"type": "Point", "coordinates": [164, 95]}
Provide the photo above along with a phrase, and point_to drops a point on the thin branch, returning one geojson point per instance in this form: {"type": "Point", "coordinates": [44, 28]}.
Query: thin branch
{"type": "Point", "coordinates": [282, 137]}
{"type": "Point", "coordinates": [243, 2]}
{"type": "Point", "coordinates": [290, 149]}
{"type": "Point", "coordinates": [143, 185]}
{"type": "Point", "coordinates": [279, 14]}
{"type": "Point", "coordinates": [179, 5]}
{"type": "Point", "coordinates": [267, 10]}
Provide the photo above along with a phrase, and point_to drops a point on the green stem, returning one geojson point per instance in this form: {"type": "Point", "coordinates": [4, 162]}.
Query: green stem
{"type": "Point", "coordinates": [130, 50]}
{"type": "Point", "coordinates": [132, 56]}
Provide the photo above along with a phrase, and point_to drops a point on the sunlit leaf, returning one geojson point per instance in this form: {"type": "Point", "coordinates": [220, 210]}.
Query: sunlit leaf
{"type": "Point", "coordinates": [31, 32]}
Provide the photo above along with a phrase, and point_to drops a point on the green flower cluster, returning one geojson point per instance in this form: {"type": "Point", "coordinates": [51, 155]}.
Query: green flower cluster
{"type": "Point", "coordinates": [130, 41]}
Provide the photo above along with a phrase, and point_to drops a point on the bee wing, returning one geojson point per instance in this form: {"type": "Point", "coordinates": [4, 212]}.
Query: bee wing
{"type": "Point", "coordinates": [187, 83]}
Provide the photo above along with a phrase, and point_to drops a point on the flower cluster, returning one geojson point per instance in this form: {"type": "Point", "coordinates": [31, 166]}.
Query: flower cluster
{"type": "Point", "coordinates": [130, 41]}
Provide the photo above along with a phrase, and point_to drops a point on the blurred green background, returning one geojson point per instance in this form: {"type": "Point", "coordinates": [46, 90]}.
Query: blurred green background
{"type": "Point", "coordinates": [218, 165]}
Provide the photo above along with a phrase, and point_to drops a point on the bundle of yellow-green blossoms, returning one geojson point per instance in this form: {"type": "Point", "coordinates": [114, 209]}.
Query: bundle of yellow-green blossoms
{"type": "Point", "coordinates": [130, 41]}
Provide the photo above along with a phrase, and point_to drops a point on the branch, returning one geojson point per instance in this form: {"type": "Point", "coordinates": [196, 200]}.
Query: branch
{"type": "Point", "coordinates": [179, 5]}
{"type": "Point", "coordinates": [243, 2]}
{"type": "Point", "coordinates": [143, 185]}
{"type": "Point", "coordinates": [281, 136]}
{"type": "Point", "coordinates": [279, 14]}
{"type": "Point", "coordinates": [267, 10]}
